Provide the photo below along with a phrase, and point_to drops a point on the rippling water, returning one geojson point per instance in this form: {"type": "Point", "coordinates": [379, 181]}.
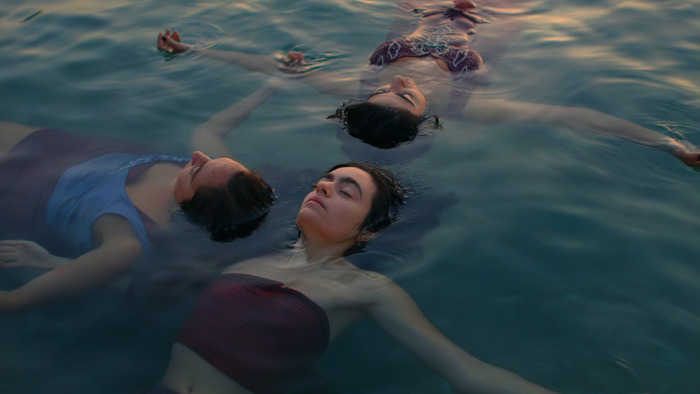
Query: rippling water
{"type": "Point", "coordinates": [569, 258]}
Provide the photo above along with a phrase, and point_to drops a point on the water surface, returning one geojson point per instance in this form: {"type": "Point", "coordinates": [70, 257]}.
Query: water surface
{"type": "Point", "coordinates": [569, 258]}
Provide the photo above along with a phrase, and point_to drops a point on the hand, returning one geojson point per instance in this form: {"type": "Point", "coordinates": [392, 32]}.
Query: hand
{"type": "Point", "coordinates": [170, 43]}
{"type": "Point", "coordinates": [686, 152]}
{"type": "Point", "coordinates": [295, 58]}
{"type": "Point", "coordinates": [26, 254]}
{"type": "Point", "coordinates": [293, 64]}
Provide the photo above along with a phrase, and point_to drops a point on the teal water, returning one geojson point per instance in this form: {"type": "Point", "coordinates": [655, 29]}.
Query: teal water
{"type": "Point", "coordinates": [571, 259]}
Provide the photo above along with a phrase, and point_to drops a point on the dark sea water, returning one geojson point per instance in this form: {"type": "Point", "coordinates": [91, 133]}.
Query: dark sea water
{"type": "Point", "coordinates": [569, 258]}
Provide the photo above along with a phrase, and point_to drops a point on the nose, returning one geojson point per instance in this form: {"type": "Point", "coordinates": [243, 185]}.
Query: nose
{"type": "Point", "coordinates": [324, 187]}
{"type": "Point", "coordinates": [400, 82]}
{"type": "Point", "coordinates": [199, 158]}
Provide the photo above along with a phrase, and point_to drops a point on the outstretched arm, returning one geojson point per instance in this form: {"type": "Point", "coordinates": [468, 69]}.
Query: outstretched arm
{"type": "Point", "coordinates": [170, 43]}
{"type": "Point", "coordinates": [117, 250]}
{"type": "Point", "coordinates": [502, 111]}
{"type": "Point", "coordinates": [324, 82]}
{"type": "Point", "coordinates": [397, 314]}
{"type": "Point", "coordinates": [209, 137]}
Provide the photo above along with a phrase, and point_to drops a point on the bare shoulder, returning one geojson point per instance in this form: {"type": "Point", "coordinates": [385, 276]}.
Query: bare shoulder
{"type": "Point", "coordinates": [113, 226]}
{"type": "Point", "coordinates": [372, 285]}
{"type": "Point", "coordinates": [253, 265]}
{"type": "Point", "coordinates": [12, 133]}
{"type": "Point", "coordinates": [17, 128]}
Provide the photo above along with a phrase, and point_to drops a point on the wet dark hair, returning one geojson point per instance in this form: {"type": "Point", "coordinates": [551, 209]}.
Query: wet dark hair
{"type": "Point", "coordinates": [390, 195]}
{"type": "Point", "coordinates": [232, 211]}
{"type": "Point", "coordinates": [380, 126]}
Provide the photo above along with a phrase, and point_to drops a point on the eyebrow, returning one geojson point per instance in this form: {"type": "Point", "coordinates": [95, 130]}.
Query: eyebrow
{"type": "Point", "coordinates": [344, 179]}
{"type": "Point", "coordinates": [400, 95]}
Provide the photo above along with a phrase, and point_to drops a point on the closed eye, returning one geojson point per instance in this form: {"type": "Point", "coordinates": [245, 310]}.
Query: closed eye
{"type": "Point", "coordinates": [408, 98]}
{"type": "Point", "coordinates": [196, 171]}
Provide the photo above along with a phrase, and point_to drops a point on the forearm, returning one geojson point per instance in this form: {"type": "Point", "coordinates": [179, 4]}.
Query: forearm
{"type": "Point", "coordinates": [581, 119]}
{"type": "Point", "coordinates": [600, 123]}
{"type": "Point", "coordinates": [209, 137]}
{"type": "Point", "coordinates": [400, 318]}
{"type": "Point", "coordinates": [481, 377]}
{"type": "Point", "coordinates": [251, 62]}
{"type": "Point", "coordinates": [604, 124]}
{"type": "Point", "coordinates": [73, 278]}
{"type": "Point", "coordinates": [170, 43]}
{"type": "Point", "coordinates": [57, 261]}
{"type": "Point", "coordinates": [323, 81]}
{"type": "Point", "coordinates": [470, 375]}
{"type": "Point", "coordinates": [8, 303]}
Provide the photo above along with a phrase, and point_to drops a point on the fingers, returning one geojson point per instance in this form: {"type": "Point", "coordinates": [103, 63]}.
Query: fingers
{"type": "Point", "coordinates": [174, 35]}
{"type": "Point", "coordinates": [296, 57]}
{"type": "Point", "coordinates": [162, 42]}
{"type": "Point", "coordinates": [13, 247]}
{"type": "Point", "coordinates": [9, 245]}
{"type": "Point", "coordinates": [8, 254]}
{"type": "Point", "coordinates": [22, 253]}
{"type": "Point", "coordinates": [170, 42]}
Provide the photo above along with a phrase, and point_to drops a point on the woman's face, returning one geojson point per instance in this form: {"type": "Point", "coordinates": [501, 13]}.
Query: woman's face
{"type": "Point", "coordinates": [203, 171]}
{"type": "Point", "coordinates": [401, 93]}
{"type": "Point", "coordinates": [338, 205]}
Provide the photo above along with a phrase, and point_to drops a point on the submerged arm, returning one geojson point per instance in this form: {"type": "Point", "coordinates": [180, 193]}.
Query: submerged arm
{"type": "Point", "coordinates": [324, 82]}
{"type": "Point", "coordinates": [117, 250]}
{"type": "Point", "coordinates": [170, 43]}
{"type": "Point", "coordinates": [501, 111]}
{"type": "Point", "coordinates": [209, 137]}
{"type": "Point", "coordinates": [397, 314]}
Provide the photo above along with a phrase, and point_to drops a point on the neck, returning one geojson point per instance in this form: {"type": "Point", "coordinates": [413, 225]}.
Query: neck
{"type": "Point", "coordinates": [322, 251]}
{"type": "Point", "coordinates": [152, 192]}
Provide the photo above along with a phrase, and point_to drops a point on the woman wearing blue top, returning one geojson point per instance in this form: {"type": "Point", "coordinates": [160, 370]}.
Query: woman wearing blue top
{"type": "Point", "coordinates": [94, 205]}
{"type": "Point", "coordinates": [444, 63]}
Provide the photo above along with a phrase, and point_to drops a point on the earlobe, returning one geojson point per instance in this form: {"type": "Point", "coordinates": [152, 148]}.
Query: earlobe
{"type": "Point", "coordinates": [366, 236]}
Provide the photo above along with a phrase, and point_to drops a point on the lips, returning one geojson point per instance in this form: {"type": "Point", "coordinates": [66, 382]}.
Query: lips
{"type": "Point", "coordinates": [317, 200]}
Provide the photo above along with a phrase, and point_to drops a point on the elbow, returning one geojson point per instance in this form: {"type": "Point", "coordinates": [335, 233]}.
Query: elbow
{"type": "Point", "coordinates": [131, 250]}
{"type": "Point", "coordinates": [121, 256]}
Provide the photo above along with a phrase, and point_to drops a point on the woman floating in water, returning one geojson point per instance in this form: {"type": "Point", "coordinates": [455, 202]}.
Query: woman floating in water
{"type": "Point", "coordinates": [101, 202]}
{"type": "Point", "coordinates": [263, 323]}
{"type": "Point", "coordinates": [438, 56]}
